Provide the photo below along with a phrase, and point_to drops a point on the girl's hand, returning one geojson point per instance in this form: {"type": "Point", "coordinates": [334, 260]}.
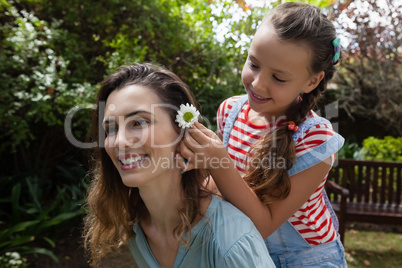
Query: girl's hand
{"type": "Point", "coordinates": [202, 148]}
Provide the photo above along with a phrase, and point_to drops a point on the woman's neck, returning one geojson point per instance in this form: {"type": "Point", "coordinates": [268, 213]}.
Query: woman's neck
{"type": "Point", "coordinates": [162, 200]}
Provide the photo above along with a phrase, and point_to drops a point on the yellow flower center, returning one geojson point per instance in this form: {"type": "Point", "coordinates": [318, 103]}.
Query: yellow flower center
{"type": "Point", "coordinates": [188, 116]}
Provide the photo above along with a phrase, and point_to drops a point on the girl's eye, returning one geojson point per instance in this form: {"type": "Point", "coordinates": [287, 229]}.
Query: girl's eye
{"type": "Point", "coordinates": [252, 65]}
{"type": "Point", "coordinates": [279, 80]}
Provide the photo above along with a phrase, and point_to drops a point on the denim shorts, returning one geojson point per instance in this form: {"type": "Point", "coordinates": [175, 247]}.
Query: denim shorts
{"type": "Point", "coordinates": [289, 249]}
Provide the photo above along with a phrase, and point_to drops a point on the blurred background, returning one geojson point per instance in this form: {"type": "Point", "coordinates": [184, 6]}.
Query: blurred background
{"type": "Point", "coordinates": [55, 53]}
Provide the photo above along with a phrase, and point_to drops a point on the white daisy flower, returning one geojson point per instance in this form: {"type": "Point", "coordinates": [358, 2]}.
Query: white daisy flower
{"type": "Point", "coordinates": [187, 115]}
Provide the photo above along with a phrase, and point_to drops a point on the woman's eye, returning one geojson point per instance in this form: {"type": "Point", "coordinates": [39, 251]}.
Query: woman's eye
{"type": "Point", "coordinates": [279, 80]}
{"type": "Point", "coordinates": [111, 129]}
{"type": "Point", "coordinates": [140, 122]}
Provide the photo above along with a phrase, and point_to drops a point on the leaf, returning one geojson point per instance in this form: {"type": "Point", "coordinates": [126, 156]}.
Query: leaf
{"type": "Point", "coordinates": [59, 219]}
{"type": "Point", "coordinates": [22, 226]}
{"type": "Point", "coordinates": [49, 253]}
{"type": "Point", "coordinates": [50, 241]}
{"type": "Point", "coordinates": [21, 240]}
{"type": "Point", "coordinates": [35, 193]}
{"type": "Point", "coordinates": [15, 197]}
{"type": "Point", "coordinates": [16, 242]}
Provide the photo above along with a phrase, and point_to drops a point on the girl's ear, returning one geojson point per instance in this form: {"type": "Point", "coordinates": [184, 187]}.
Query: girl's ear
{"type": "Point", "coordinates": [313, 82]}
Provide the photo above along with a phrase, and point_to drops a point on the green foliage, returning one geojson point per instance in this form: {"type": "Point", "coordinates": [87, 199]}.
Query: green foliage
{"type": "Point", "coordinates": [30, 216]}
{"type": "Point", "coordinates": [387, 149]}
{"type": "Point", "coordinates": [349, 150]}
{"type": "Point", "coordinates": [34, 77]}
{"type": "Point", "coordinates": [37, 91]}
{"type": "Point", "coordinates": [54, 54]}
{"type": "Point", "coordinates": [179, 35]}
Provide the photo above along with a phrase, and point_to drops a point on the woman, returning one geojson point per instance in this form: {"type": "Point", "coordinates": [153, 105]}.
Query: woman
{"type": "Point", "coordinates": [139, 194]}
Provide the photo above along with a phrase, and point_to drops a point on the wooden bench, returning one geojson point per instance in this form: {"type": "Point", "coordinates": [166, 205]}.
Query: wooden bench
{"type": "Point", "coordinates": [365, 191]}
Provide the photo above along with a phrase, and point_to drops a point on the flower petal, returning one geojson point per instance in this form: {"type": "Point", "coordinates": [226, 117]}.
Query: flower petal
{"type": "Point", "coordinates": [187, 115]}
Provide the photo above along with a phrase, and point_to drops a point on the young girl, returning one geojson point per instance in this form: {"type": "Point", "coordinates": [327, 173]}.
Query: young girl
{"type": "Point", "coordinates": [139, 195]}
{"type": "Point", "coordinates": [281, 147]}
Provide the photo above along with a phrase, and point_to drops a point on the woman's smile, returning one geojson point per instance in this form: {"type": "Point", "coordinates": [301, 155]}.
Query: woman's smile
{"type": "Point", "coordinates": [131, 161]}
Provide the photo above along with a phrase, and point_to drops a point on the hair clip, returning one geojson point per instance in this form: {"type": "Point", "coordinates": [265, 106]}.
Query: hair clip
{"type": "Point", "coordinates": [337, 49]}
{"type": "Point", "coordinates": [292, 126]}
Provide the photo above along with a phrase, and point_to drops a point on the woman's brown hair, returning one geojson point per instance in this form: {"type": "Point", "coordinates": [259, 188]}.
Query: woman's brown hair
{"type": "Point", "coordinates": [113, 208]}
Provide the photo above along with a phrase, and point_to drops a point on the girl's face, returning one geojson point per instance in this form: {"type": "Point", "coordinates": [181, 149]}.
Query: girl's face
{"type": "Point", "coordinates": [276, 72]}
{"type": "Point", "coordinates": [141, 140]}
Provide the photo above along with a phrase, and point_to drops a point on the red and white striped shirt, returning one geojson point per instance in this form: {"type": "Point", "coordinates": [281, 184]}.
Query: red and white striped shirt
{"type": "Point", "coordinates": [312, 220]}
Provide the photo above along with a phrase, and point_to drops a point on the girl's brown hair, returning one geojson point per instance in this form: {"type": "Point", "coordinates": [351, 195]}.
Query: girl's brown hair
{"type": "Point", "coordinates": [303, 24]}
{"type": "Point", "coordinates": [113, 208]}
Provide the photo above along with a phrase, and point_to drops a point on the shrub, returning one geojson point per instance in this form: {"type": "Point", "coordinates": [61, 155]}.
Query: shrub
{"type": "Point", "coordinates": [36, 91]}
{"type": "Point", "coordinates": [387, 149]}
{"type": "Point", "coordinates": [349, 150]}
{"type": "Point", "coordinates": [33, 214]}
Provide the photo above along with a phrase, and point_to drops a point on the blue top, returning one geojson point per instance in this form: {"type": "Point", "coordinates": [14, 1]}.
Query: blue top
{"type": "Point", "coordinates": [225, 237]}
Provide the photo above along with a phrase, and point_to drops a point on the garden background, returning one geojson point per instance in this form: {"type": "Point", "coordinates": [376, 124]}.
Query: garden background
{"type": "Point", "coordinates": [55, 53]}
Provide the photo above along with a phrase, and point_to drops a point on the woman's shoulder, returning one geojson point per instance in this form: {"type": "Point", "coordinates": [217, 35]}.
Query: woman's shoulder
{"type": "Point", "coordinates": [236, 238]}
{"type": "Point", "coordinates": [228, 221]}
{"type": "Point", "coordinates": [223, 207]}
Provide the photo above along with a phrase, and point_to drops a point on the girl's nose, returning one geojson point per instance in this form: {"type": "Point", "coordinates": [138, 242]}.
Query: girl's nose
{"type": "Point", "coordinates": [259, 83]}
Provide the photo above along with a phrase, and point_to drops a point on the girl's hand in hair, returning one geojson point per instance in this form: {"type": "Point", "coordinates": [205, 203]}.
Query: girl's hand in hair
{"type": "Point", "coordinates": [202, 148]}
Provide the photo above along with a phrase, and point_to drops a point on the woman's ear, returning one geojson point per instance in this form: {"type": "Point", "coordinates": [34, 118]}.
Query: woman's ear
{"type": "Point", "coordinates": [315, 79]}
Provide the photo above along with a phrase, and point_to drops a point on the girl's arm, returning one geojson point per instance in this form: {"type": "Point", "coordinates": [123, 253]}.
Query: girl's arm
{"type": "Point", "coordinates": [204, 149]}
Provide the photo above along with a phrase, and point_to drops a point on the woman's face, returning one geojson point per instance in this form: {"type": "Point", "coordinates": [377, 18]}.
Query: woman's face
{"type": "Point", "coordinates": [141, 140]}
